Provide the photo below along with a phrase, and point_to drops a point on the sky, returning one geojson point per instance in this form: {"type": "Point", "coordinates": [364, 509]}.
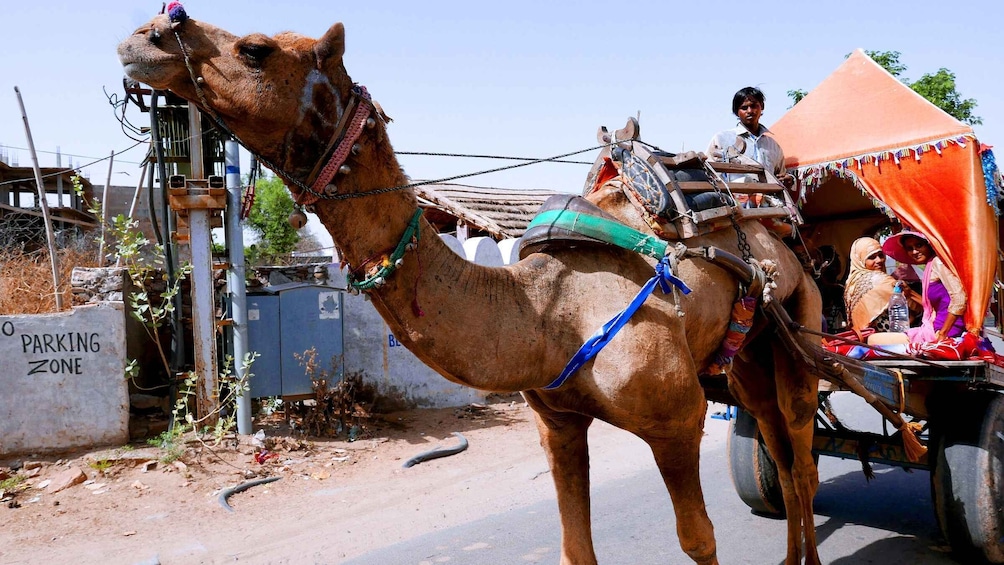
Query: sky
{"type": "Point", "coordinates": [517, 78]}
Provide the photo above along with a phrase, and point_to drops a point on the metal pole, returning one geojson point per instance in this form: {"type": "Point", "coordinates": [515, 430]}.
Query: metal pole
{"type": "Point", "coordinates": [139, 189]}
{"type": "Point", "coordinates": [104, 211]}
{"type": "Point", "coordinates": [135, 197]}
{"type": "Point", "coordinates": [49, 236]}
{"type": "Point", "coordinates": [59, 179]}
{"type": "Point", "coordinates": [235, 279]}
{"type": "Point", "coordinates": [203, 303]}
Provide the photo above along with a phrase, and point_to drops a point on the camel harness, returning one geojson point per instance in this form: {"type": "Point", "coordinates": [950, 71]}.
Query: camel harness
{"type": "Point", "coordinates": [566, 215]}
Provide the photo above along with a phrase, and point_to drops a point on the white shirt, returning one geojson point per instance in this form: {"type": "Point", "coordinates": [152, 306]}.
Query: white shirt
{"type": "Point", "coordinates": [762, 148]}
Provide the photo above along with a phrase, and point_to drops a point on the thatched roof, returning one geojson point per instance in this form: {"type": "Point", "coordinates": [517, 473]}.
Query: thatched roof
{"type": "Point", "coordinates": [502, 212]}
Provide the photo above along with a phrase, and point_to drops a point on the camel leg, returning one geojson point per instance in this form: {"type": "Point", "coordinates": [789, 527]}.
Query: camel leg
{"type": "Point", "coordinates": [679, 462]}
{"type": "Point", "coordinates": [799, 409]}
{"type": "Point", "coordinates": [775, 438]}
{"type": "Point", "coordinates": [756, 386]}
{"type": "Point", "coordinates": [798, 395]}
{"type": "Point", "coordinates": [563, 435]}
{"type": "Point", "coordinates": [786, 423]}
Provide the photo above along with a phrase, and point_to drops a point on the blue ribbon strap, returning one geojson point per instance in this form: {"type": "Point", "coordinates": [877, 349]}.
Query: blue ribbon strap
{"type": "Point", "coordinates": [664, 277]}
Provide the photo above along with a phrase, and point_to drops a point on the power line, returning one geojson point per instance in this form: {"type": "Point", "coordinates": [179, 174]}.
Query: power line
{"type": "Point", "coordinates": [504, 157]}
{"type": "Point", "coordinates": [60, 153]}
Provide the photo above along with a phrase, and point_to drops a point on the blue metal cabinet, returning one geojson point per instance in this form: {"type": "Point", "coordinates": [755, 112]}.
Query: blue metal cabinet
{"type": "Point", "coordinates": [291, 319]}
{"type": "Point", "coordinates": [263, 339]}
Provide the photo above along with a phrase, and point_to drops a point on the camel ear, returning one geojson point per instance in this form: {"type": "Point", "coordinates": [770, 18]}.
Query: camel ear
{"type": "Point", "coordinates": [331, 45]}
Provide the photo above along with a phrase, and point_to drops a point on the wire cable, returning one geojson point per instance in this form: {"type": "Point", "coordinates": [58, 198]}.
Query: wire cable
{"type": "Point", "coordinates": [70, 170]}
{"type": "Point", "coordinates": [475, 156]}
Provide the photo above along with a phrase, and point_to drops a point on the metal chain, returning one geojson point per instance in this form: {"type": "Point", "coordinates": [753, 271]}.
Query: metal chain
{"type": "Point", "coordinates": [744, 246]}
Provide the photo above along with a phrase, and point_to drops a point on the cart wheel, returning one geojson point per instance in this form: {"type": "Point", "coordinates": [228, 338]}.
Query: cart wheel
{"type": "Point", "coordinates": [754, 473]}
{"type": "Point", "coordinates": [967, 478]}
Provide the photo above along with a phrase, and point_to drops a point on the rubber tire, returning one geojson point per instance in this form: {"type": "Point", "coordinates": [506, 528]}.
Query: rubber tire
{"type": "Point", "coordinates": [754, 474]}
{"type": "Point", "coordinates": [967, 477]}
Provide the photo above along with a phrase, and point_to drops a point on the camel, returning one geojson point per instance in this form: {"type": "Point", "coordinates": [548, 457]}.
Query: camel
{"type": "Point", "coordinates": [286, 97]}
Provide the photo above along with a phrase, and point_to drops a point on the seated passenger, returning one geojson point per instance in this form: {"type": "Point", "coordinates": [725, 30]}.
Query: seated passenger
{"type": "Point", "coordinates": [868, 288]}
{"type": "Point", "coordinates": [944, 297]}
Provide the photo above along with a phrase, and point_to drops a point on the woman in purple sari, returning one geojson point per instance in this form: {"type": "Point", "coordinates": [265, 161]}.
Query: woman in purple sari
{"type": "Point", "coordinates": [944, 296]}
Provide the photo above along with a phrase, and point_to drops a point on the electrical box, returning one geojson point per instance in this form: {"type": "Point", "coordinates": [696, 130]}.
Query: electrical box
{"type": "Point", "coordinates": [284, 322]}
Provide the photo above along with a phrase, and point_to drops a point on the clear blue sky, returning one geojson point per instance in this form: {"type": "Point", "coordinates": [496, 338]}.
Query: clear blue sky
{"type": "Point", "coordinates": [514, 78]}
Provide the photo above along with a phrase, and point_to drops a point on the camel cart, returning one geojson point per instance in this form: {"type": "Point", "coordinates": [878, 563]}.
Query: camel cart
{"type": "Point", "coordinates": [869, 154]}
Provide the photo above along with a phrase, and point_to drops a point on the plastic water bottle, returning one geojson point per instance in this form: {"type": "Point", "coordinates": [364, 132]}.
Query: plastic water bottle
{"type": "Point", "coordinates": [899, 312]}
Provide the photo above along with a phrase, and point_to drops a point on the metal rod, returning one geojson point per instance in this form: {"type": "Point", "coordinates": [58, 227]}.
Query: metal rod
{"type": "Point", "coordinates": [136, 196]}
{"type": "Point", "coordinates": [103, 220]}
{"type": "Point", "coordinates": [200, 239]}
{"type": "Point", "coordinates": [139, 189]}
{"type": "Point", "coordinates": [236, 279]}
{"type": "Point", "coordinates": [49, 236]}
{"type": "Point", "coordinates": [59, 178]}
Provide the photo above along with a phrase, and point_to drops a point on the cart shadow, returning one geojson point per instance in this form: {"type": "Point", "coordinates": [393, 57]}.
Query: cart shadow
{"type": "Point", "coordinates": [895, 501]}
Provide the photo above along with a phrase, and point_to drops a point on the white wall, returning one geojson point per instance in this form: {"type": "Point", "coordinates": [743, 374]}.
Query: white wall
{"type": "Point", "coordinates": [370, 347]}
{"type": "Point", "coordinates": [63, 380]}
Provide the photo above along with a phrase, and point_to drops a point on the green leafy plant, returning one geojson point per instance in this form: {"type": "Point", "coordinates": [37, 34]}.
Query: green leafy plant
{"type": "Point", "coordinates": [269, 221]}
{"type": "Point", "coordinates": [100, 465]}
{"type": "Point", "coordinates": [171, 444]}
{"type": "Point", "coordinates": [222, 421]}
{"type": "Point", "coordinates": [143, 260]}
{"type": "Point", "coordinates": [12, 483]}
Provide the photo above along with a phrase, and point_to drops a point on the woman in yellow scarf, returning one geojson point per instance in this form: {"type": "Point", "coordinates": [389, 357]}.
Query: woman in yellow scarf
{"type": "Point", "coordinates": [869, 287]}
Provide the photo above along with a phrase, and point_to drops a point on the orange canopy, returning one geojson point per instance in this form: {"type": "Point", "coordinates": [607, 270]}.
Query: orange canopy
{"type": "Point", "coordinates": [862, 124]}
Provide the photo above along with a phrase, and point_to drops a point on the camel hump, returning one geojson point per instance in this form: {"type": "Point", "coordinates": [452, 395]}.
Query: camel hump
{"type": "Point", "coordinates": [537, 238]}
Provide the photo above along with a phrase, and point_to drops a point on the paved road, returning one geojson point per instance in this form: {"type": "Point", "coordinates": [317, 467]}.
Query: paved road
{"type": "Point", "coordinates": [889, 521]}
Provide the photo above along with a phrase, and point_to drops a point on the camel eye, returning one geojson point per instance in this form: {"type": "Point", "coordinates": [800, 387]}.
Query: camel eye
{"type": "Point", "coordinates": [254, 52]}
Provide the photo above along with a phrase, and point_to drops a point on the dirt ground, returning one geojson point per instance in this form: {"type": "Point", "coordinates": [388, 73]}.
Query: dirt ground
{"type": "Point", "coordinates": [336, 499]}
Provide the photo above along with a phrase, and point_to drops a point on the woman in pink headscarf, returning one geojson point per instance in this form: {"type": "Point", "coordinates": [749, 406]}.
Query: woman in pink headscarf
{"type": "Point", "coordinates": [944, 296]}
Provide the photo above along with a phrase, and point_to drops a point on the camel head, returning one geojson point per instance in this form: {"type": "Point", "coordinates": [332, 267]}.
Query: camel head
{"type": "Point", "coordinates": [282, 96]}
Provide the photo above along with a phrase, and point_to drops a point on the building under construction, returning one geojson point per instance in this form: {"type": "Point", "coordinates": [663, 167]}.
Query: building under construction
{"type": "Point", "coordinates": [21, 220]}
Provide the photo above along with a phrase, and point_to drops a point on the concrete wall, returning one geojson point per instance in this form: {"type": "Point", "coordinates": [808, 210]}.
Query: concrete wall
{"type": "Point", "coordinates": [63, 384]}
{"type": "Point", "coordinates": [400, 377]}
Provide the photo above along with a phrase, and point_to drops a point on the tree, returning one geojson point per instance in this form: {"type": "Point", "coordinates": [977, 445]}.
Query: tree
{"type": "Point", "coordinates": [796, 96]}
{"type": "Point", "coordinates": [939, 88]}
{"type": "Point", "coordinates": [888, 60]}
{"type": "Point", "coordinates": [269, 220]}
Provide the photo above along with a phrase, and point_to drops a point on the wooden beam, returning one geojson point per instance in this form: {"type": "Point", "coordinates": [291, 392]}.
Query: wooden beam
{"type": "Point", "coordinates": [57, 218]}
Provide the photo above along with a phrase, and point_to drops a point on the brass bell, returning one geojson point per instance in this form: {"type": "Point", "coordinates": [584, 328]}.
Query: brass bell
{"type": "Point", "coordinates": [297, 219]}
{"type": "Point", "coordinates": [345, 169]}
{"type": "Point", "coordinates": [356, 148]}
{"type": "Point", "coordinates": [370, 123]}
{"type": "Point", "coordinates": [330, 190]}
